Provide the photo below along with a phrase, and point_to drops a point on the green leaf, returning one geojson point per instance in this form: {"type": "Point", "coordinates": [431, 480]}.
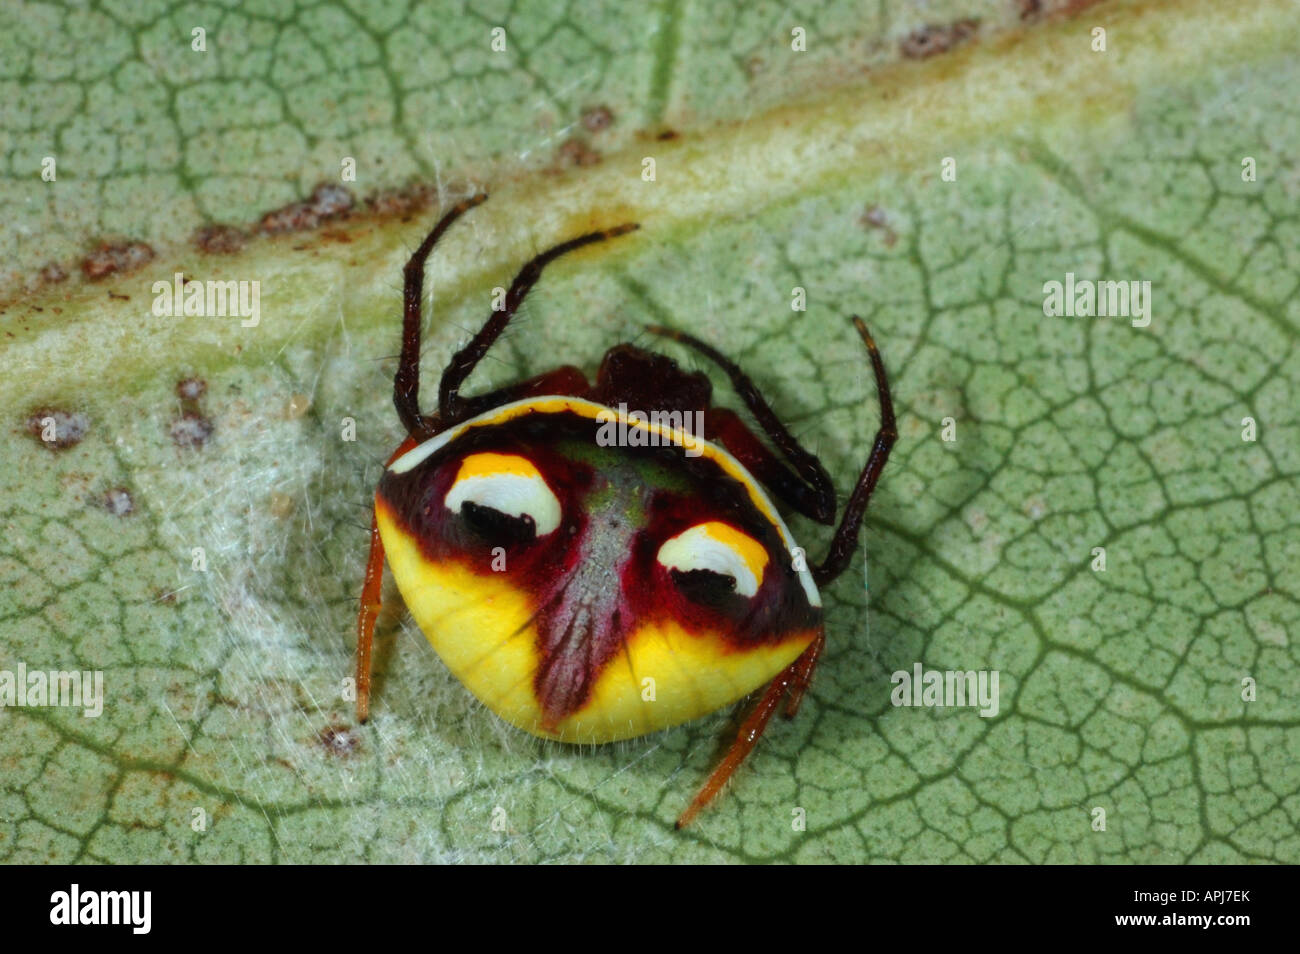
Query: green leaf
{"type": "Point", "coordinates": [1121, 690]}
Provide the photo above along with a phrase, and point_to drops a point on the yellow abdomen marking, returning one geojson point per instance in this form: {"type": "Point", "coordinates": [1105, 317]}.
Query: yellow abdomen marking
{"type": "Point", "coordinates": [481, 627]}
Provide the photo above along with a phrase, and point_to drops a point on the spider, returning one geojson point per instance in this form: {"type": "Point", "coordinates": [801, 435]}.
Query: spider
{"type": "Point", "coordinates": [587, 589]}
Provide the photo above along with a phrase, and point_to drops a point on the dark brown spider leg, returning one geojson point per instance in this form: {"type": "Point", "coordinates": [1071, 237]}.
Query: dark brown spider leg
{"type": "Point", "coordinates": [371, 601]}
{"type": "Point", "coordinates": [796, 677]}
{"type": "Point", "coordinates": [821, 505]}
{"type": "Point", "coordinates": [746, 739]}
{"type": "Point", "coordinates": [724, 426]}
{"type": "Point", "coordinates": [451, 406]}
{"type": "Point", "coordinates": [406, 383]}
{"type": "Point", "coordinates": [846, 536]}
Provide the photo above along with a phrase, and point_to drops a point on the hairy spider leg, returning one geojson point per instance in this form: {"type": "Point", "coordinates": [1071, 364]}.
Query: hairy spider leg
{"type": "Point", "coordinates": [808, 489]}
{"type": "Point", "coordinates": [796, 678]}
{"type": "Point", "coordinates": [406, 383]}
{"type": "Point", "coordinates": [452, 408]}
{"type": "Point", "coordinates": [371, 601]}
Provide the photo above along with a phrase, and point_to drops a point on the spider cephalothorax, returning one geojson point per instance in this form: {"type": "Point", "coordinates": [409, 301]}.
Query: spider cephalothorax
{"type": "Point", "coordinates": [597, 561]}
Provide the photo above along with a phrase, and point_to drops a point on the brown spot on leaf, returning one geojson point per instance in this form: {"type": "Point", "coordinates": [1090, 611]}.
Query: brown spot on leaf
{"type": "Point", "coordinates": [400, 203]}
{"type": "Point", "coordinates": [191, 430]}
{"type": "Point", "coordinates": [327, 201]}
{"type": "Point", "coordinates": [53, 273]}
{"type": "Point", "coordinates": [294, 217]}
{"type": "Point", "coordinates": [56, 428]}
{"type": "Point", "coordinates": [191, 389]}
{"type": "Point", "coordinates": [339, 740]}
{"type": "Point", "coordinates": [220, 239]}
{"type": "Point", "coordinates": [668, 135]}
{"type": "Point", "coordinates": [119, 502]}
{"type": "Point", "coordinates": [330, 200]}
{"type": "Point", "coordinates": [111, 258]}
{"type": "Point", "coordinates": [874, 218]}
{"type": "Point", "coordinates": [575, 152]}
{"type": "Point", "coordinates": [597, 118]}
{"type": "Point", "coordinates": [931, 40]}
